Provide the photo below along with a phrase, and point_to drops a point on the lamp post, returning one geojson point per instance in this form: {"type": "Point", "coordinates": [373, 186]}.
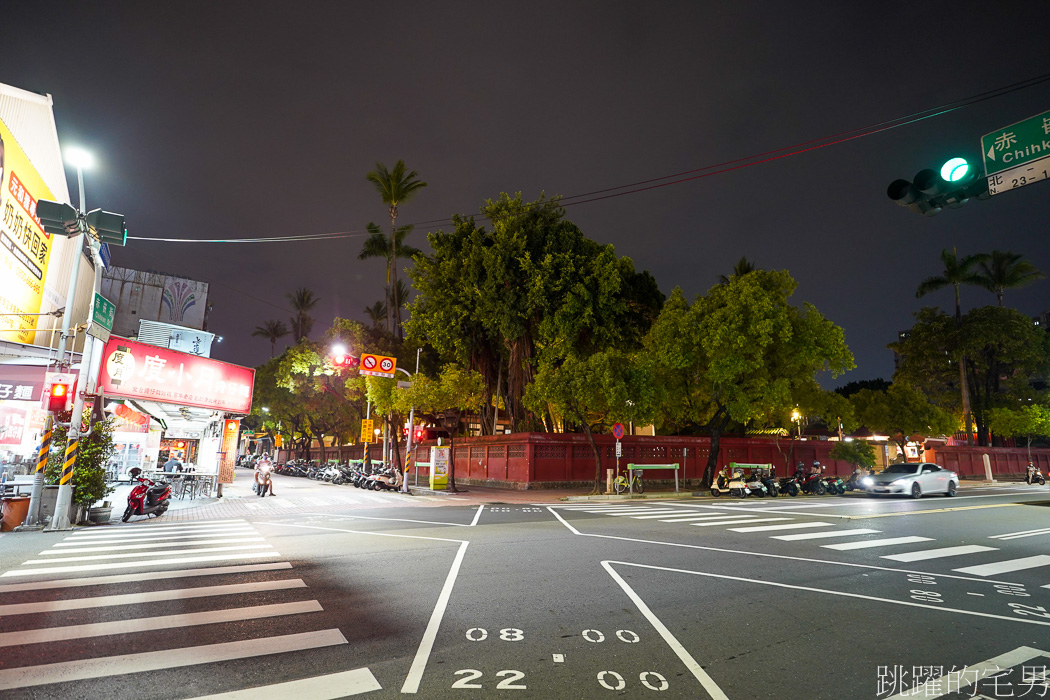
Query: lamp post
{"type": "Point", "coordinates": [797, 417]}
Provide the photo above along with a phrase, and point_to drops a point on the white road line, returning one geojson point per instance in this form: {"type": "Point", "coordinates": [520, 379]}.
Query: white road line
{"type": "Point", "coordinates": [328, 687]}
{"type": "Point", "coordinates": [130, 555]}
{"type": "Point", "coordinates": [419, 663]}
{"type": "Point", "coordinates": [1002, 567]}
{"type": "Point", "coordinates": [885, 542]}
{"type": "Point", "coordinates": [825, 533]}
{"type": "Point", "coordinates": [79, 568]}
{"type": "Point", "coordinates": [1019, 535]}
{"type": "Point", "coordinates": [151, 527]}
{"type": "Point", "coordinates": [643, 511]}
{"type": "Point", "coordinates": [118, 532]}
{"type": "Point", "coordinates": [95, 539]}
{"type": "Point", "coordinates": [66, 671]}
{"type": "Point", "coordinates": [72, 548]}
{"type": "Point", "coordinates": [148, 624]}
{"type": "Point", "coordinates": [477, 515]}
{"type": "Point", "coordinates": [924, 554]}
{"type": "Point", "coordinates": [314, 501]}
{"type": "Point", "coordinates": [773, 528]}
{"type": "Point", "coordinates": [106, 601]}
{"type": "Point", "coordinates": [148, 576]}
{"type": "Point", "coordinates": [663, 515]}
{"type": "Point", "coordinates": [712, 516]}
{"type": "Point", "coordinates": [738, 521]}
{"type": "Point", "coordinates": [690, 663]}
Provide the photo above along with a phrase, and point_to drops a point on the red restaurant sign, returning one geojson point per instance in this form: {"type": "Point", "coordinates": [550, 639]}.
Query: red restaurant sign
{"type": "Point", "coordinates": [140, 371]}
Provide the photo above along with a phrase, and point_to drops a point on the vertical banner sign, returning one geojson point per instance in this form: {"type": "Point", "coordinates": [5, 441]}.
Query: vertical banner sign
{"type": "Point", "coordinates": [231, 430]}
{"type": "Point", "coordinates": [24, 247]}
{"type": "Point", "coordinates": [366, 430]}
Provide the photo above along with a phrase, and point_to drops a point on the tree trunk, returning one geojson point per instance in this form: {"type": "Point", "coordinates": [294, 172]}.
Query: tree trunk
{"type": "Point", "coordinates": [717, 426]}
{"type": "Point", "coordinates": [597, 458]}
{"type": "Point", "coordinates": [452, 459]}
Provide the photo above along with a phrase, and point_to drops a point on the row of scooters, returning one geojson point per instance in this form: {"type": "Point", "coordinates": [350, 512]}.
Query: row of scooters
{"type": "Point", "coordinates": [743, 480]}
{"type": "Point", "coordinates": [373, 476]}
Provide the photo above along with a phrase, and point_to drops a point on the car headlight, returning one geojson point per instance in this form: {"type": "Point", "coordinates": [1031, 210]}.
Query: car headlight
{"type": "Point", "coordinates": [867, 481]}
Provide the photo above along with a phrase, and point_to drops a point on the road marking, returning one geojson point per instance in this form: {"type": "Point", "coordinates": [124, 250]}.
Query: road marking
{"type": "Point", "coordinates": [147, 576]}
{"type": "Point", "coordinates": [979, 595]}
{"type": "Point", "coordinates": [328, 687]}
{"type": "Point", "coordinates": [690, 663]}
{"type": "Point", "coordinates": [66, 671]}
{"type": "Point", "coordinates": [885, 542]}
{"type": "Point", "coordinates": [419, 663]}
{"type": "Point", "coordinates": [695, 517]}
{"type": "Point", "coordinates": [253, 506]}
{"type": "Point", "coordinates": [77, 548]}
{"type": "Point", "coordinates": [477, 515]}
{"type": "Point", "coordinates": [105, 539]}
{"type": "Point", "coordinates": [130, 555]}
{"type": "Point", "coordinates": [769, 555]}
{"type": "Point", "coordinates": [345, 499]}
{"type": "Point", "coordinates": [641, 511]}
{"type": "Point", "coordinates": [1003, 567]}
{"type": "Point", "coordinates": [1019, 535]}
{"type": "Point", "coordinates": [923, 555]}
{"type": "Point", "coordinates": [314, 501]}
{"type": "Point", "coordinates": [143, 527]}
{"type": "Point", "coordinates": [373, 497]}
{"type": "Point", "coordinates": [49, 606]}
{"type": "Point", "coordinates": [662, 515]}
{"type": "Point", "coordinates": [342, 516]}
{"type": "Point", "coordinates": [925, 511]}
{"type": "Point", "coordinates": [825, 533]}
{"type": "Point", "coordinates": [118, 534]}
{"type": "Point", "coordinates": [137, 564]}
{"type": "Point", "coordinates": [148, 624]}
{"type": "Point", "coordinates": [281, 502]}
{"type": "Point", "coordinates": [937, 687]}
{"type": "Point", "coordinates": [774, 528]}
{"type": "Point", "coordinates": [738, 521]}
{"type": "Point", "coordinates": [558, 658]}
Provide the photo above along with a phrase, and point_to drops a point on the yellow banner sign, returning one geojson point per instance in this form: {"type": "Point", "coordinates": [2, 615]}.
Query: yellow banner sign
{"type": "Point", "coordinates": [24, 247]}
{"type": "Point", "coordinates": [366, 430]}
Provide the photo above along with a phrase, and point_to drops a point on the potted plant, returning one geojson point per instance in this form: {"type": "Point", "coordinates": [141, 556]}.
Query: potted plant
{"type": "Point", "coordinates": [89, 471]}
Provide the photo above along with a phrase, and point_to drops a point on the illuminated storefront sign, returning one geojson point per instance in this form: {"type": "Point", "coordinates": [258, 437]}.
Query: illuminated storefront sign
{"type": "Point", "coordinates": [139, 371]}
{"type": "Point", "coordinates": [24, 247]}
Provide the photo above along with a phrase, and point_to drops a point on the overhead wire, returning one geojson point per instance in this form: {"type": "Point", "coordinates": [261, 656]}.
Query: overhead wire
{"type": "Point", "coordinates": [678, 178]}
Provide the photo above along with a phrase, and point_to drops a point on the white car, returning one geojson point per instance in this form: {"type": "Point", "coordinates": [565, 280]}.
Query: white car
{"type": "Point", "coordinates": [915, 479]}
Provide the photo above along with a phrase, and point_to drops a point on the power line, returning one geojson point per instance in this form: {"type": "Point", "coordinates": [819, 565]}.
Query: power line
{"type": "Point", "coordinates": [678, 178]}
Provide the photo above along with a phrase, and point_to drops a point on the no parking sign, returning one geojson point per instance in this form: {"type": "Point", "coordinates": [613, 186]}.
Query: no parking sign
{"type": "Point", "coordinates": [378, 365]}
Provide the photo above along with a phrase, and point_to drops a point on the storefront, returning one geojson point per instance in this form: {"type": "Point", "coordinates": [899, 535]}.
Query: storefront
{"type": "Point", "coordinates": [21, 415]}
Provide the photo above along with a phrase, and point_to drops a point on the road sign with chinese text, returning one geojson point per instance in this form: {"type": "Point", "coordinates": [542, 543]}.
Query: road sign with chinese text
{"type": "Point", "coordinates": [366, 430]}
{"type": "Point", "coordinates": [378, 365]}
{"type": "Point", "coordinates": [1018, 154]}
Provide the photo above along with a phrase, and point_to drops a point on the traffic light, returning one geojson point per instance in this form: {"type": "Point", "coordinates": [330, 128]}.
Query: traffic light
{"type": "Point", "coordinates": [957, 182]}
{"type": "Point", "coordinates": [345, 361]}
{"type": "Point", "coordinates": [58, 398]}
{"type": "Point", "coordinates": [58, 219]}
{"type": "Point", "coordinates": [107, 227]}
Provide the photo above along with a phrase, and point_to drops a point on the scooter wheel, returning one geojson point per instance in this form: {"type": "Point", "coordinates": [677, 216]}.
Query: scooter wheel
{"type": "Point", "coordinates": [715, 493]}
{"type": "Point", "coordinates": [127, 515]}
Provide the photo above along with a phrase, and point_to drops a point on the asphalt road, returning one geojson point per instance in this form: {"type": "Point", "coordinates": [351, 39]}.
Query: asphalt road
{"type": "Point", "coordinates": [832, 597]}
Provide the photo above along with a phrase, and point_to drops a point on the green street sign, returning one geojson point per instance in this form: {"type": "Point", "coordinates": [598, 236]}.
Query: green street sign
{"type": "Point", "coordinates": [1018, 154]}
{"type": "Point", "coordinates": [104, 311]}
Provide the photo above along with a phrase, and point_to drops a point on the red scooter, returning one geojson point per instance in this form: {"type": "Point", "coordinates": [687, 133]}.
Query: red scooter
{"type": "Point", "coordinates": [148, 497]}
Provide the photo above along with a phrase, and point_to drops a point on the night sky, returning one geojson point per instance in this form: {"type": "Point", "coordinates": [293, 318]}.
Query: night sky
{"type": "Point", "coordinates": [233, 120]}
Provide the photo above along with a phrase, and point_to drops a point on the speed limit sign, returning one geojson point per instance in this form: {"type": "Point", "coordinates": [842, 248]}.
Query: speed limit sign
{"type": "Point", "coordinates": [378, 365]}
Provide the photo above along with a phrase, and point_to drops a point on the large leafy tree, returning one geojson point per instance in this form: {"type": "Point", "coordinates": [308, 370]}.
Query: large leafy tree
{"type": "Point", "coordinates": [1027, 422]}
{"type": "Point", "coordinates": [272, 331]}
{"type": "Point", "coordinates": [902, 412]}
{"type": "Point", "coordinates": [303, 301]}
{"type": "Point", "coordinates": [593, 392]}
{"type": "Point", "coordinates": [1003, 349]}
{"type": "Point", "coordinates": [528, 290]}
{"type": "Point", "coordinates": [957, 271]}
{"type": "Point", "coordinates": [379, 245]}
{"type": "Point", "coordinates": [1004, 270]}
{"type": "Point", "coordinates": [395, 187]}
{"type": "Point", "coordinates": [741, 354]}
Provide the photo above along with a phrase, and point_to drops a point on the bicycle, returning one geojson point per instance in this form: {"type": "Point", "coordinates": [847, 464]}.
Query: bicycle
{"type": "Point", "coordinates": [629, 482]}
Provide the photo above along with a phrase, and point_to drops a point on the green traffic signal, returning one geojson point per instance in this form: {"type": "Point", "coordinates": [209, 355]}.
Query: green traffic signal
{"type": "Point", "coordinates": [955, 170]}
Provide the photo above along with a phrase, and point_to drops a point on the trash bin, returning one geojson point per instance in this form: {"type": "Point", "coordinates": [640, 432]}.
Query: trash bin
{"type": "Point", "coordinates": [15, 510]}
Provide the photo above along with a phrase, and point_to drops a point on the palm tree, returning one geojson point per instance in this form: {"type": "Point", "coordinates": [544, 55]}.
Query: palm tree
{"type": "Point", "coordinates": [302, 300]}
{"type": "Point", "coordinates": [956, 272]}
{"type": "Point", "coordinates": [273, 331]}
{"type": "Point", "coordinates": [1004, 270]}
{"type": "Point", "coordinates": [378, 245]}
{"type": "Point", "coordinates": [377, 313]}
{"type": "Point", "coordinates": [742, 267]}
{"type": "Point", "coordinates": [395, 187]}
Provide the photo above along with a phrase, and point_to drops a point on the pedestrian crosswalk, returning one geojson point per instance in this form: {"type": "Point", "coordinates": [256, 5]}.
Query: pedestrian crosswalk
{"type": "Point", "coordinates": [783, 524]}
{"type": "Point", "coordinates": [117, 585]}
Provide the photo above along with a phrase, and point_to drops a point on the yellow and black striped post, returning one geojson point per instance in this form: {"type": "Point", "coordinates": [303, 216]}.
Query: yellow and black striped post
{"type": "Point", "coordinates": [45, 446]}
{"type": "Point", "coordinates": [67, 465]}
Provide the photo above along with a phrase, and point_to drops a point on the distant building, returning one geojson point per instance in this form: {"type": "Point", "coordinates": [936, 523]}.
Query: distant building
{"type": "Point", "coordinates": [1042, 321]}
{"type": "Point", "coordinates": [154, 296]}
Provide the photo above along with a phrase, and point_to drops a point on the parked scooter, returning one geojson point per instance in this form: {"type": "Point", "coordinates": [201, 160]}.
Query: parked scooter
{"type": "Point", "coordinates": [790, 485]}
{"type": "Point", "coordinates": [768, 477]}
{"type": "Point", "coordinates": [810, 482]}
{"type": "Point", "coordinates": [1033, 475]}
{"type": "Point", "coordinates": [855, 479]}
{"type": "Point", "coordinates": [730, 483]}
{"type": "Point", "coordinates": [833, 484]}
{"type": "Point", "coordinates": [147, 497]}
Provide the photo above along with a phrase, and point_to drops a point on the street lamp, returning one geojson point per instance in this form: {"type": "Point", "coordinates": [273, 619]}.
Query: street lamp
{"type": "Point", "coordinates": [797, 417]}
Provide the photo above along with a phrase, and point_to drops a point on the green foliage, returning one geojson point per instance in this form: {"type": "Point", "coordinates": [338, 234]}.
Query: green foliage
{"type": "Point", "coordinates": [742, 353]}
{"type": "Point", "coordinates": [1004, 270]}
{"type": "Point", "coordinates": [902, 412]}
{"type": "Point", "coordinates": [1002, 350]}
{"type": "Point", "coordinates": [850, 388]}
{"type": "Point", "coordinates": [303, 301]}
{"type": "Point", "coordinates": [89, 470]}
{"type": "Point", "coordinates": [859, 453]}
{"type": "Point", "coordinates": [1026, 421]}
{"type": "Point", "coordinates": [527, 291]}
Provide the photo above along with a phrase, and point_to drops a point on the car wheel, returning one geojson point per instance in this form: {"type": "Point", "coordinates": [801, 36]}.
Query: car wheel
{"type": "Point", "coordinates": [952, 488]}
{"type": "Point", "coordinates": [916, 492]}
